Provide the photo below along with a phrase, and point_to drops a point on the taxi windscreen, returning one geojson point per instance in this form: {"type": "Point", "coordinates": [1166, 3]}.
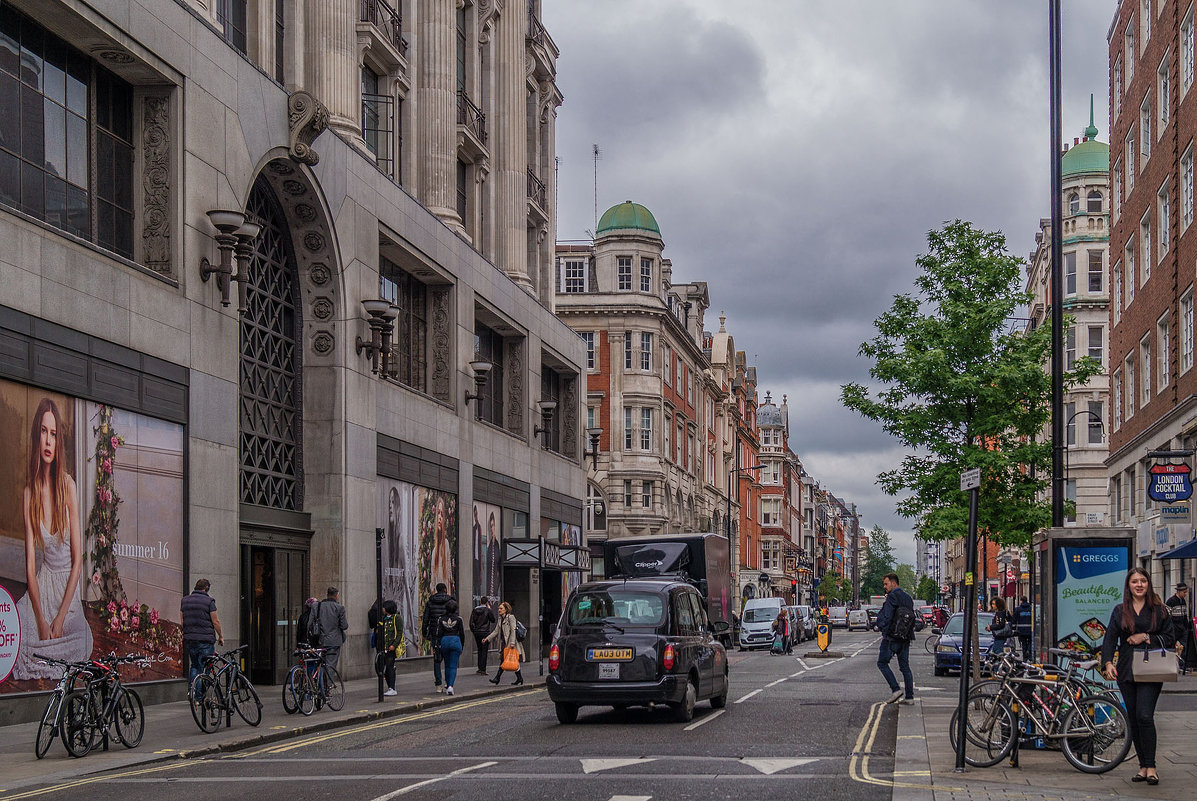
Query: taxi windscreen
{"type": "Point", "coordinates": [617, 606]}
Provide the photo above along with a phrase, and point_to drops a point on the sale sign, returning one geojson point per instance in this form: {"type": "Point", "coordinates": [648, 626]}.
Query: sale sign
{"type": "Point", "coordinates": [10, 633]}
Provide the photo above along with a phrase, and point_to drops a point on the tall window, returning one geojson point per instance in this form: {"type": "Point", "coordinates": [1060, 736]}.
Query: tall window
{"type": "Point", "coordinates": [1186, 188]}
{"type": "Point", "coordinates": [627, 350]}
{"type": "Point", "coordinates": [1070, 424]}
{"type": "Point", "coordinates": [573, 276]}
{"type": "Point", "coordinates": [588, 338]}
{"type": "Point", "coordinates": [280, 36]}
{"type": "Point", "coordinates": [230, 15]}
{"type": "Point", "coordinates": [1131, 275]}
{"type": "Point", "coordinates": [1129, 152]}
{"type": "Point", "coordinates": [646, 275]}
{"type": "Point", "coordinates": [1074, 203]}
{"type": "Point", "coordinates": [1116, 197]}
{"type": "Point", "coordinates": [1118, 405]}
{"type": "Point", "coordinates": [377, 119]}
{"type": "Point", "coordinates": [488, 344]}
{"type": "Point", "coordinates": [1070, 349]}
{"type": "Point", "coordinates": [646, 429]}
{"type": "Point", "coordinates": [627, 493]}
{"type": "Point", "coordinates": [1070, 273]}
{"type": "Point", "coordinates": [550, 390]}
{"type": "Point", "coordinates": [1164, 85]}
{"type": "Point", "coordinates": [646, 351]}
{"type": "Point", "coordinates": [1186, 51]}
{"type": "Point", "coordinates": [1145, 131]}
{"type": "Point", "coordinates": [1145, 244]}
{"type": "Point", "coordinates": [771, 511]}
{"type": "Point", "coordinates": [667, 431]}
{"type": "Point", "coordinates": [1117, 86]}
{"type": "Point", "coordinates": [1095, 423]}
{"type": "Point", "coordinates": [1117, 286]}
{"type": "Point", "coordinates": [1145, 20]}
{"type": "Point", "coordinates": [1128, 47]}
{"type": "Point", "coordinates": [462, 190]}
{"type": "Point", "coordinates": [1093, 203]}
{"type": "Point", "coordinates": [625, 273]}
{"type": "Point", "coordinates": [1128, 372]}
{"type": "Point", "coordinates": [1145, 369]}
{"type": "Point", "coordinates": [667, 363]}
{"type": "Point", "coordinates": [1163, 337]}
{"type": "Point", "coordinates": [1096, 344]}
{"type": "Point", "coordinates": [66, 136]}
{"type": "Point", "coordinates": [1186, 331]}
{"type": "Point", "coordinates": [409, 351]}
{"type": "Point", "coordinates": [1096, 272]}
{"type": "Point", "coordinates": [1165, 212]}
{"type": "Point", "coordinates": [646, 494]}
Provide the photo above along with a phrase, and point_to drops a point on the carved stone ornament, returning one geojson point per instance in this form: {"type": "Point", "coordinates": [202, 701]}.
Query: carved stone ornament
{"type": "Point", "coordinates": [305, 212]}
{"type": "Point", "coordinates": [307, 118]}
{"type": "Point", "coordinates": [313, 241]}
{"type": "Point", "coordinates": [322, 308]}
{"type": "Point", "coordinates": [441, 339]}
{"type": "Point", "coordinates": [322, 343]}
{"type": "Point", "coordinates": [155, 183]}
{"type": "Point", "coordinates": [319, 273]}
{"type": "Point", "coordinates": [513, 371]}
{"type": "Point", "coordinates": [280, 168]}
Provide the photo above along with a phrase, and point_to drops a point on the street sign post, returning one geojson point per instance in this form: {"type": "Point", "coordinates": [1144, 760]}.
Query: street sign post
{"type": "Point", "coordinates": [970, 481]}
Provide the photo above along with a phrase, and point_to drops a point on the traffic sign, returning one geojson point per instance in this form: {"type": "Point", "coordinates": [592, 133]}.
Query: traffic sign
{"type": "Point", "coordinates": [970, 479]}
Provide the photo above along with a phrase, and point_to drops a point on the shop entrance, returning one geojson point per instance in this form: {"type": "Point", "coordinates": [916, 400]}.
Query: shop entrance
{"type": "Point", "coordinates": [274, 585]}
{"type": "Point", "coordinates": [550, 606]}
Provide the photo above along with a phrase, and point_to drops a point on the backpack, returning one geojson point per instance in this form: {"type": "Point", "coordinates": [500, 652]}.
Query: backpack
{"type": "Point", "coordinates": [315, 630]}
{"type": "Point", "coordinates": [901, 628]}
{"type": "Point", "coordinates": [521, 631]}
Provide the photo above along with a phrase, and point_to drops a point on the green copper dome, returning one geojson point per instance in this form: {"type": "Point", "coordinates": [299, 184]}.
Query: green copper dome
{"type": "Point", "coordinates": [627, 215]}
{"type": "Point", "coordinates": [1088, 156]}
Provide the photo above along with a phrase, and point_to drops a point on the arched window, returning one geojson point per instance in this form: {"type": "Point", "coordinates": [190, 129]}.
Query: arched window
{"type": "Point", "coordinates": [1074, 203]}
{"type": "Point", "coordinates": [270, 415]}
{"type": "Point", "coordinates": [1094, 202]}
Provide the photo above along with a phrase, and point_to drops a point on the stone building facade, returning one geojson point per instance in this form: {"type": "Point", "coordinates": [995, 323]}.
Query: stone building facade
{"type": "Point", "coordinates": [280, 298]}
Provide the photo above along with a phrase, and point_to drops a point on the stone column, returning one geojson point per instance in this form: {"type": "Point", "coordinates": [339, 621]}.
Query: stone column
{"type": "Point", "coordinates": [509, 144]}
{"type": "Point", "coordinates": [436, 101]}
{"type": "Point", "coordinates": [330, 42]}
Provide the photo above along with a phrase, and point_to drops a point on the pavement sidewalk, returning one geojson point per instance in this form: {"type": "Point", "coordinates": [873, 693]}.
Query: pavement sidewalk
{"type": "Point", "coordinates": [171, 732]}
{"type": "Point", "coordinates": [925, 762]}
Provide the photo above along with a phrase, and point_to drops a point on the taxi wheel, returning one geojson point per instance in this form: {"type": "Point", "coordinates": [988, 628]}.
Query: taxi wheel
{"type": "Point", "coordinates": [683, 711]}
{"type": "Point", "coordinates": [720, 701]}
{"type": "Point", "coordinates": [567, 713]}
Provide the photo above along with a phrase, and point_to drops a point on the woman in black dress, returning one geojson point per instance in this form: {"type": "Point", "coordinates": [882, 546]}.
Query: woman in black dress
{"type": "Point", "coordinates": [1139, 621]}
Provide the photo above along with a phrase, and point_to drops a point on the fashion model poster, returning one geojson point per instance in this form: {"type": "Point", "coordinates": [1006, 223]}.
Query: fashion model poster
{"type": "Point", "coordinates": [487, 543]}
{"type": "Point", "coordinates": [419, 550]}
{"type": "Point", "coordinates": [91, 534]}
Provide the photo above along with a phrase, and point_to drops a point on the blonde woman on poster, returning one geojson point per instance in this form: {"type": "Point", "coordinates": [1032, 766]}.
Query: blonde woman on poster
{"type": "Point", "coordinates": [51, 613]}
{"type": "Point", "coordinates": [442, 569]}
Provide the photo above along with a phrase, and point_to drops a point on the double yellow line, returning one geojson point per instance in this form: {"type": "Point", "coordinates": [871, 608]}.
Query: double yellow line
{"type": "Point", "coordinates": [858, 765]}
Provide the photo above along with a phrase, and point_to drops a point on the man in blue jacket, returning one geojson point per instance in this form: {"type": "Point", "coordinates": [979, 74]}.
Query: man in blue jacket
{"type": "Point", "coordinates": [895, 643]}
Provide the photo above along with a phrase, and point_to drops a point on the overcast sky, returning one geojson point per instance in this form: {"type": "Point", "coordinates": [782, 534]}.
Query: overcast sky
{"type": "Point", "coordinates": [796, 153]}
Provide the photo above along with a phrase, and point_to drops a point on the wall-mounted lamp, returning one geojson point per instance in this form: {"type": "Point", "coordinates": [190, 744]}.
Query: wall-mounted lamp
{"type": "Point", "coordinates": [227, 224]}
{"type": "Point", "coordinates": [244, 251]}
{"type": "Point", "coordinates": [547, 407]}
{"type": "Point", "coordinates": [481, 369]}
{"type": "Point", "coordinates": [382, 324]}
{"type": "Point", "coordinates": [593, 435]}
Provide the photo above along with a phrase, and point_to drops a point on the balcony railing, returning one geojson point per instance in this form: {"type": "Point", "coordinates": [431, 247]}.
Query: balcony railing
{"type": "Point", "coordinates": [536, 31]}
{"type": "Point", "coordinates": [536, 190]}
{"type": "Point", "coordinates": [470, 116]}
{"type": "Point", "coordinates": [386, 19]}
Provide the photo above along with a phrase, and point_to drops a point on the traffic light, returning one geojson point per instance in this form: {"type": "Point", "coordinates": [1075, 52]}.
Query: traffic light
{"type": "Point", "coordinates": [794, 585]}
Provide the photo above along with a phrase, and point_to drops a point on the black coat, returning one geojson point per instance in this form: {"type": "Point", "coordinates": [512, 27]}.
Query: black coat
{"type": "Point", "coordinates": [1157, 623]}
{"type": "Point", "coordinates": [1022, 620]}
{"type": "Point", "coordinates": [434, 610]}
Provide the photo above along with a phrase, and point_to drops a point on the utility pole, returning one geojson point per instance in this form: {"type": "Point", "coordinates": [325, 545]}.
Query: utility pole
{"type": "Point", "coordinates": [970, 481]}
{"type": "Point", "coordinates": [1057, 274]}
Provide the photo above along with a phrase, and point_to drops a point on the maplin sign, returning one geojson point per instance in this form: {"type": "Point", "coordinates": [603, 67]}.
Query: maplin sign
{"type": "Point", "coordinates": [1169, 483]}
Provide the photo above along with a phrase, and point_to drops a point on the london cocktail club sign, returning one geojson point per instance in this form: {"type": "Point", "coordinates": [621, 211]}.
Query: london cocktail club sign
{"type": "Point", "coordinates": [1169, 483]}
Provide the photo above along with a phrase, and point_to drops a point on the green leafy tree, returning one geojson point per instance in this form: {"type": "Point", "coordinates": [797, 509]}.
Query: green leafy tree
{"type": "Point", "coordinates": [961, 390]}
{"type": "Point", "coordinates": [927, 589]}
{"type": "Point", "coordinates": [834, 587]}
{"type": "Point", "coordinates": [906, 577]}
{"type": "Point", "coordinates": [879, 560]}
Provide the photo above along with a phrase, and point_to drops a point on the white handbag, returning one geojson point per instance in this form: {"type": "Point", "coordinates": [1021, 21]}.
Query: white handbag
{"type": "Point", "coordinates": [1153, 664]}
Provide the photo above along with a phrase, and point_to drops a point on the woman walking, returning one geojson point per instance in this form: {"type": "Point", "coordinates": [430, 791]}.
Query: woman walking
{"type": "Point", "coordinates": [1001, 626]}
{"type": "Point", "coordinates": [505, 631]}
{"type": "Point", "coordinates": [1139, 621]}
{"type": "Point", "coordinates": [450, 630]}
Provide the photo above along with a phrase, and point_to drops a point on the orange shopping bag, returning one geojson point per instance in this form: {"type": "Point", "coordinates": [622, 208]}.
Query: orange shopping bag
{"type": "Point", "coordinates": [511, 659]}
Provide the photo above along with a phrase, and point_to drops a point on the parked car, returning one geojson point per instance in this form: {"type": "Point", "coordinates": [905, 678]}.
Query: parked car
{"type": "Point", "coordinates": [808, 622]}
{"type": "Point", "coordinates": [639, 642]}
{"type": "Point", "coordinates": [872, 612]}
{"type": "Point", "coordinates": [838, 616]}
{"type": "Point", "coordinates": [947, 652]}
{"type": "Point", "coordinates": [858, 619]}
{"type": "Point", "coordinates": [756, 622]}
{"type": "Point", "coordinates": [798, 624]}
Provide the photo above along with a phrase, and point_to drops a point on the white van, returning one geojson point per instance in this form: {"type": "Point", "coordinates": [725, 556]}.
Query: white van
{"type": "Point", "coordinates": [756, 622]}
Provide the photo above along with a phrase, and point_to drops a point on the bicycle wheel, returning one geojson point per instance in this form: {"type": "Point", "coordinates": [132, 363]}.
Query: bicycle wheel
{"type": "Point", "coordinates": [301, 691]}
{"type": "Point", "coordinates": [128, 718]}
{"type": "Point", "coordinates": [207, 703]}
{"type": "Point", "coordinates": [78, 727]}
{"type": "Point", "coordinates": [47, 730]}
{"type": "Point", "coordinates": [290, 703]}
{"type": "Point", "coordinates": [1096, 735]}
{"type": "Point", "coordinates": [332, 687]}
{"type": "Point", "coordinates": [930, 643]}
{"type": "Point", "coordinates": [245, 700]}
{"type": "Point", "coordinates": [990, 732]}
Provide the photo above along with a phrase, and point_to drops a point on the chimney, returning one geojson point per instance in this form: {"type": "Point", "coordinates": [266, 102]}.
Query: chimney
{"type": "Point", "coordinates": [1076, 141]}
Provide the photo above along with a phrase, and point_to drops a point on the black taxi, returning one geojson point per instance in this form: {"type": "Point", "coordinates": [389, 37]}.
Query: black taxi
{"type": "Point", "coordinates": [636, 642]}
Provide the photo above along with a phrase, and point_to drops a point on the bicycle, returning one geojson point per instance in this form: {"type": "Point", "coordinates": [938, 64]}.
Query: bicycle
{"type": "Point", "coordinates": [51, 719]}
{"type": "Point", "coordinates": [104, 703]}
{"type": "Point", "coordinates": [1091, 729]}
{"type": "Point", "coordinates": [931, 643]}
{"type": "Point", "coordinates": [220, 689]}
{"type": "Point", "coordinates": [312, 683]}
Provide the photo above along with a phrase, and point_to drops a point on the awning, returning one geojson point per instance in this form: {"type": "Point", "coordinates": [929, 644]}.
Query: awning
{"type": "Point", "coordinates": [1186, 551]}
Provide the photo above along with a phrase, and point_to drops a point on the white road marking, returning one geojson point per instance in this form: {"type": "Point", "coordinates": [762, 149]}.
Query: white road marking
{"type": "Point", "coordinates": [771, 766]}
{"type": "Point", "coordinates": [796, 675]}
{"type": "Point", "coordinates": [426, 782]}
{"type": "Point", "coordinates": [596, 765]}
{"type": "Point", "coordinates": [631, 798]}
{"type": "Point", "coordinates": [803, 664]}
{"type": "Point", "coordinates": [744, 698]}
{"type": "Point", "coordinates": [705, 719]}
{"type": "Point", "coordinates": [775, 683]}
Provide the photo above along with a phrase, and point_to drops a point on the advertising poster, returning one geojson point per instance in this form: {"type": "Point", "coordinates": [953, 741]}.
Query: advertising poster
{"type": "Point", "coordinates": [1089, 581]}
{"type": "Point", "coordinates": [570, 579]}
{"type": "Point", "coordinates": [91, 534]}
{"type": "Point", "coordinates": [488, 554]}
{"type": "Point", "coordinates": [419, 551]}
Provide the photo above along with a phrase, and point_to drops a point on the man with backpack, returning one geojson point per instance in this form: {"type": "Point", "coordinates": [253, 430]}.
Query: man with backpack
{"type": "Point", "coordinates": [434, 610]}
{"type": "Point", "coordinates": [482, 623]}
{"type": "Point", "coordinates": [896, 621]}
{"type": "Point", "coordinates": [327, 627]}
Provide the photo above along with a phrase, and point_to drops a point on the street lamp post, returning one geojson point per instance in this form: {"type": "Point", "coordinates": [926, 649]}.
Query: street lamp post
{"type": "Point", "coordinates": [731, 482]}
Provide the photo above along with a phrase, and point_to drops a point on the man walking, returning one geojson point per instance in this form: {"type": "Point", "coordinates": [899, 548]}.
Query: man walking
{"type": "Point", "coordinates": [201, 628]}
{"type": "Point", "coordinates": [328, 627]}
{"type": "Point", "coordinates": [1182, 621]}
{"type": "Point", "coordinates": [482, 623]}
{"type": "Point", "coordinates": [434, 610]}
{"type": "Point", "coordinates": [895, 621]}
{"type": "Point", "coordinates": [1022, 626]}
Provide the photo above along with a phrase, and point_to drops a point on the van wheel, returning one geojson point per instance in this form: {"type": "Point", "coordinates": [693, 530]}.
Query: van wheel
{"type": "Point", "coordinates": [567, 713]}
{"type": "Point", "coordinates": [683, 711]}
